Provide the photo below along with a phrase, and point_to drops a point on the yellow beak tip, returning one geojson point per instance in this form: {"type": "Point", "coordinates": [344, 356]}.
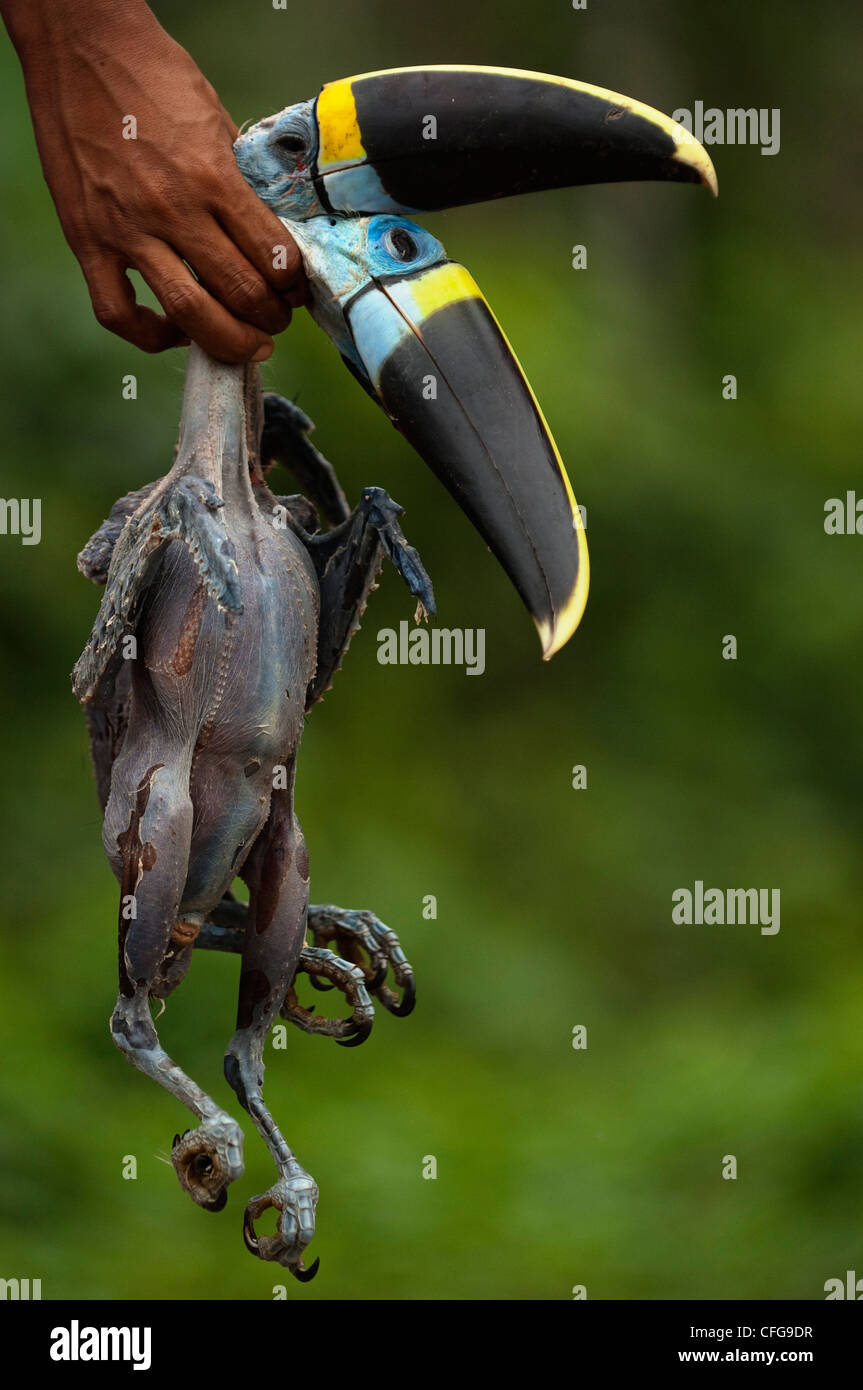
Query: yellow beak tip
{"type": "Point", "coordinates": [554, 635]}
{"type": "Point", "coordinates": [690, 152]}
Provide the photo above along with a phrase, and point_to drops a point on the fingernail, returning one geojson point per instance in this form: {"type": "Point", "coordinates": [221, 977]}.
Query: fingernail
{"type": "Point", "coordinates": [263, 352]}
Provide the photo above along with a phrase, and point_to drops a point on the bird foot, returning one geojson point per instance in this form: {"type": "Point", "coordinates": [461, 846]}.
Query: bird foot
{"type": "Point", "coordinates": [349, 1032]}
{"type": "Point", "coordinates": [355, 932]}
{"type": "Point", "coordinates": [295, 1197]}
{"type": "Point", "coordinates": [383, 514]}
{"type": "Point", "coordinates": [208, 1159]}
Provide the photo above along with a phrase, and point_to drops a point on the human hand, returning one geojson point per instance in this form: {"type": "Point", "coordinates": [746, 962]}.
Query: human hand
{"type": "Point", "coordinates": [169, 201]}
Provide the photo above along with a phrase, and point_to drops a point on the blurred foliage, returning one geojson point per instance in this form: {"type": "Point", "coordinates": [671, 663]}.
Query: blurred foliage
{"type": "Point", "coordinates": [705, 517]}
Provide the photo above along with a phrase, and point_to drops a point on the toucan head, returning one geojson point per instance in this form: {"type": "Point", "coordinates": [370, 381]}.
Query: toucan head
{"type": "Point", "coordinates": [414, 326]}
{"type": "Point", "coordinates": [422, 139]}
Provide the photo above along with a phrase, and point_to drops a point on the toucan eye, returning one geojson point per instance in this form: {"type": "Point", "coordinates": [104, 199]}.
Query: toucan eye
{"type": "Point", "coordinates": [291, 144]}
{"type": "Point", "coordinates": [401, 244]}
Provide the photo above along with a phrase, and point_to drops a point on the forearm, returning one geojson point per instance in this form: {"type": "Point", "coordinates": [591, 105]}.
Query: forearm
{"type": "Point", "coordinates": [58, 40]}
{"type": "Point", "coordinates": [36, 26]}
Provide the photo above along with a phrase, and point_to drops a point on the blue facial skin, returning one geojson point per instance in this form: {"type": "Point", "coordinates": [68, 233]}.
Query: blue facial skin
{"type": "Point", "coordinates": [346, 255]}
{"type": "Point", "coordinates": [343, 254]}
{"type": "Point", "coordinates": [397, 246]}
{"type": "Point", "coordinates": [276, 156]}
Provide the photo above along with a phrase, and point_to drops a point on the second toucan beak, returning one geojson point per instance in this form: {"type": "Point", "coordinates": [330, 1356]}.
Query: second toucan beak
{"type": "Point", "coordinates": [422, 139]}
{"type": "Point", "coordinates": [415, 329]}
{"type": "Point", "coordinates": [440, 365]}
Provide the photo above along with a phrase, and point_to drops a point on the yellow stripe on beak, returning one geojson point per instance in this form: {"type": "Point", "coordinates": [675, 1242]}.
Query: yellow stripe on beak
{"type": "Point", "coordinates": [341, 142]}
{"type": "Point", "coordinates": [419, 296]}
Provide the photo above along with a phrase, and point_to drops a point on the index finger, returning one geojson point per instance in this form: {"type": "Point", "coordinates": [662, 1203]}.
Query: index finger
{"type": "Point", "coordinates": [262, 238]}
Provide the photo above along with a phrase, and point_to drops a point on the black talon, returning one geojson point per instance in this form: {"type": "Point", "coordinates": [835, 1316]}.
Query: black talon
{"type": "Point", "coordinates": [306, 1276]}
{"type": "Point", "coordinates": [174, 1142]}
{"type": "Point", "coordinates": [318, 984]}
{"type": "Point", "coordinates": [218, 1203]}
{"type": "Point", "coordinates": [249, 1234]}
{"type": "Point", "coordinates": [408, 1000]}
{"type": "Point", "coordinates": [377, 979]}
{"type": "Point", "coordinates": [358, 1037]}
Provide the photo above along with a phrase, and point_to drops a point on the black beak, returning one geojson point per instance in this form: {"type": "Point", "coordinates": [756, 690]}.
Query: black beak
{"type": "Point", "coordinates": [421, 139]}
{"type": "Point", "coordinates": [440, 365]}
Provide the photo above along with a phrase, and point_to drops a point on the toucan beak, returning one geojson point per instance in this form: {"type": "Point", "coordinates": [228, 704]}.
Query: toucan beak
{"type": "Point", "coordinates": [423, 340]}
{"type": "Point", "coordinates": [422, 139]}
{"type": "Point", "coordinates": [440, 365]}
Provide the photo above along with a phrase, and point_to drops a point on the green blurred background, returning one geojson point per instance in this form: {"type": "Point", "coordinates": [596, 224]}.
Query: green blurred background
{"type": "Point", "coordinates": [705, 517]}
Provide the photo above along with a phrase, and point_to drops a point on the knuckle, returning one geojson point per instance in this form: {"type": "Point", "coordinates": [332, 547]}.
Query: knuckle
{"type": "Point", "coordinates": [286, 267]}
{"type": "Point", "coordinates": [198, 169]}
{"type": "Point", "coordinates": [218, 174]}
{"type": "Point", "coordinates": [204, 183]}
{"type": "Point", "coordinates": [244, 292]}
{"type": "Point", "coordinates": [112, 314]}
{"type": "Point", "coordinates": [160, 198]}
{"type": "Point", "coordinates": [178, 298]}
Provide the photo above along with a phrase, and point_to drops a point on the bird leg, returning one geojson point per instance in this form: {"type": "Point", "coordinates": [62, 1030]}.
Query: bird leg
{"type": "Point", "coordinates": [277, 874]}
{"type": "Point", "coordinates": [285, 440]}
{"type": "Point", "coordinates": [151, 856]}
{"type": "Point", "coordinates": [347, 558]}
